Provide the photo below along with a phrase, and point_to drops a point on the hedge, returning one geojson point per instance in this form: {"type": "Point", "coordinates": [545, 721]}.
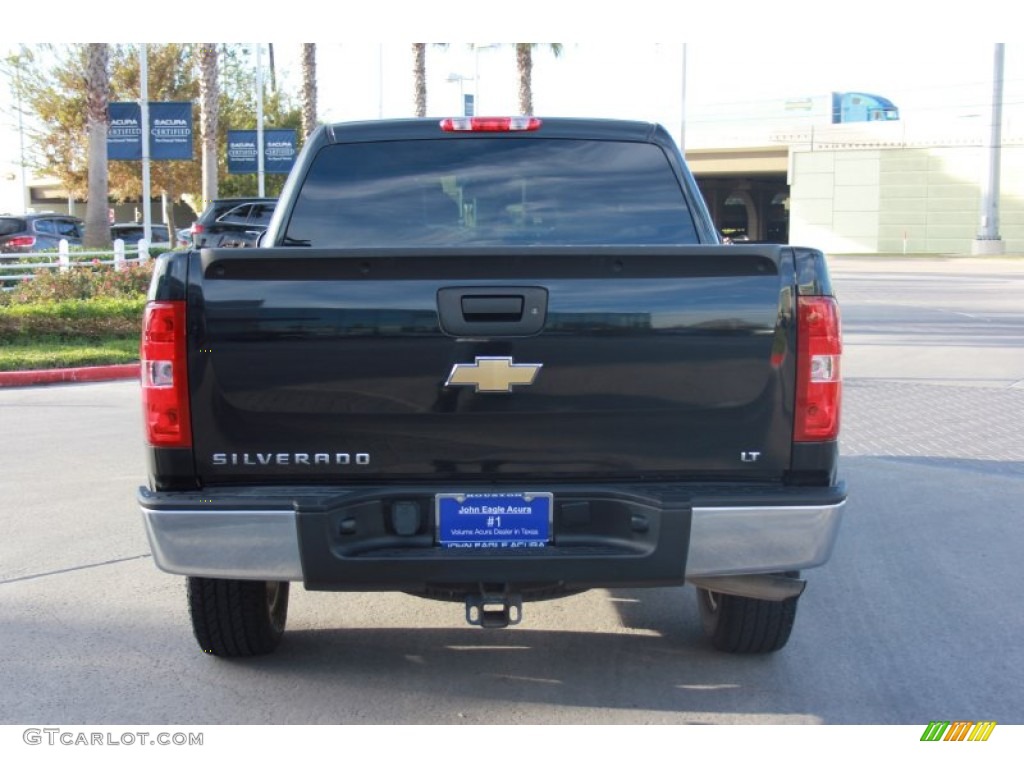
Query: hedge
{"type": "Point", "coordinates": [81, 282]}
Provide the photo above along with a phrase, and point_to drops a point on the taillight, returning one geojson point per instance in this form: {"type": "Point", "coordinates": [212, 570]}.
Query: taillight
{"type": "Point", "coordinates": [22, 241]}
{"type": "Point", "coordinates": [819, 385]}
{"type": "Point", "coordinates": [165, 403]}
{"type": "Point", "coordinates": [490, 124]}
{"type": "Point", "coordinates": [198, 228]}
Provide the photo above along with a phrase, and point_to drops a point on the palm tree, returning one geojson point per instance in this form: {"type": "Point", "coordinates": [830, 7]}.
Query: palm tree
{"type": "Point", "coordinates": [97, 76]}
{"type": "Point", "coordinates": [209, 117]}
{"type": "Point", "coordinates": [419, 72]}
{"type": "Point", "coordinates": [524, 63]}
{"type": "Point", "coordinates": [308, 89]}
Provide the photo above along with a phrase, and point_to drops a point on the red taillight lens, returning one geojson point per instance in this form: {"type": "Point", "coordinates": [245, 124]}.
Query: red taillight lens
{"type": "Point", "coordinates": [165, 403]}
{"type": "Point", "coordinates": [198, 229]}
{"type": "Point", "coordinates": [490, 124]}
{"type": "Point", "coordinates": [819, 385]}
{"type": "Point", "coordinates": [22, 241]}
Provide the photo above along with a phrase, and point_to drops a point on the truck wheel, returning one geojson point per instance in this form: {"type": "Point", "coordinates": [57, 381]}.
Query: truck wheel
{"type": "Point", "coordinates": [237, 618]}
{"type": "Point", "coordinates": [745, 624]}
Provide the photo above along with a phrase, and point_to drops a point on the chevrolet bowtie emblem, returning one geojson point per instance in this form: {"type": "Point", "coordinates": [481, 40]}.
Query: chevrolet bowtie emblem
{"type": "Point", "coordinates": [492, 374]}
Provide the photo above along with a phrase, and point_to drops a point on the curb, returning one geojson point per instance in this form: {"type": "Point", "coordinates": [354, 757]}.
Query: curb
{"type": "Point", "coordinates": [69, 375]}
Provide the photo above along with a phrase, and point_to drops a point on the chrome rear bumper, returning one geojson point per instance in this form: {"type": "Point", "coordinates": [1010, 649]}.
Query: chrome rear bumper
{"type": "Point", "coordinates": [726, 541]}
{"type": "Point", "coordinates": [236, 544]}
{"type": "Point", "coordinates": [264, 545]}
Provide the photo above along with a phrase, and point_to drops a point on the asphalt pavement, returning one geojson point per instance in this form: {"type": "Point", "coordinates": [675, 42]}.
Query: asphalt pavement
{"type": "Point", "coordinates": [914, 619]}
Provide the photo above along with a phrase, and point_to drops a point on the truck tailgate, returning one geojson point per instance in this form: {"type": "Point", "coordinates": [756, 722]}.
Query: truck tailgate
{"type": "Point", "coordinates": [337, 366]}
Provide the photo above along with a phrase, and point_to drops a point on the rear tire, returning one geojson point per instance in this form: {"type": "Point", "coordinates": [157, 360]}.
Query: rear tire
{"type": "Point", "coordinates": [745, 624]}
{"type": "Point", "coordinates": [234, 618]}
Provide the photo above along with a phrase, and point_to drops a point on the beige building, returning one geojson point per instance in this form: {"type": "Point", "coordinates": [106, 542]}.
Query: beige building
{"type": "Point", "coordinates": [862, 187]}
{"type": "Point", "coordinates": [921, 199]}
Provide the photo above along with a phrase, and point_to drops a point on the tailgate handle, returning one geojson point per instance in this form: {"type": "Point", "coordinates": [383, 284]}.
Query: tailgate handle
{"type": "Point", "coordinates": [492, 309]}
{"type": "Point", "coordinates": [497, 311]}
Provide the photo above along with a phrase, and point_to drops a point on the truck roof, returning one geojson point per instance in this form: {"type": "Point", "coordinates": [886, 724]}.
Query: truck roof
{"type": "Point", "coordinates": [551, 127]}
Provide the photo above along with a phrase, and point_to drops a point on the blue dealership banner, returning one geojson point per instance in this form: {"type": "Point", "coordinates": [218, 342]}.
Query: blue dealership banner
{"type": "Point", "coordinates": [124, 134]}
{"type": "Point", "coordinates": [242, 152]}
{"type": "Point", "coordinates": [279, 149]}
{"type": "Point", "coordinates": [170, 130]}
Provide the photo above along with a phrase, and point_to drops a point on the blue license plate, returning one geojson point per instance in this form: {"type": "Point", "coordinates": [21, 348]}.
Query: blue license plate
{"type": "Point", "coordinates": [493, 520]}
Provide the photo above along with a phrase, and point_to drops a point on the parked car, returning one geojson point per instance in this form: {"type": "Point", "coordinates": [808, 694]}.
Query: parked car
{"type": "Point", "coordinates": [233, 222]}
{"type": "Point", "coordinates": [132, 233]}
{"type": "Point", "coordinates": [183, 238]}
{"type": "Point", "coordinates": [38, 232]}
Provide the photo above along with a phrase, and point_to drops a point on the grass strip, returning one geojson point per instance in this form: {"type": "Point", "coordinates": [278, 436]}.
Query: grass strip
{"type": "Point", "coordinates": [37, 354]}
{"type": "Point", "coordinates": [98, 319]}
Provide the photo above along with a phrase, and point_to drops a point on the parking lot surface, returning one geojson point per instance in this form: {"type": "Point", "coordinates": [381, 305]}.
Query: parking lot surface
{"type": "Point", "coordinates": [916, 618]}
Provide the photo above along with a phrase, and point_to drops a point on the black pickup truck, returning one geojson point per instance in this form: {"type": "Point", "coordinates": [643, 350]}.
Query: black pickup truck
{"type": "Point", "coordinates": [491, 360]}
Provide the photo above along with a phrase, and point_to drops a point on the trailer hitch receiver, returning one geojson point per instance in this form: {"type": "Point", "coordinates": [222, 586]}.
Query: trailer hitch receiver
{"type": "Point", "coordinates": [493, 610]}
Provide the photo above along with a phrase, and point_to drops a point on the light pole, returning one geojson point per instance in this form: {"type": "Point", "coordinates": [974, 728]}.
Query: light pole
{"type": "Point", "coordinates": [988, 241]}
{"type": "Point", "coordinates": [682, 119]}
{"type": "Point", "coordinates": [380, 81]}
{"type": "Point", "coordinates": [260, 180]}
{"type": "Point", "coordinates": [468, 105]}
{"type": "Point", "coordinates": [476, 71]}
{"type": "Point", "coordinates": [21, 136]}
{"type": "Point", "coordinates": [147, 191]}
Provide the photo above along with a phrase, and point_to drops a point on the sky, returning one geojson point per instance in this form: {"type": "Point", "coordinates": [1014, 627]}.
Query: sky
{"type": "Point", "coordinates": [641, 80]}
{"type": "Point", "coordinates": [747, 59]}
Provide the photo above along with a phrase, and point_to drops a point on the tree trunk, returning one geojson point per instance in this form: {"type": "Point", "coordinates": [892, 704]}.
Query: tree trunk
{"type": "Point", "coordinates": [97, 221]}
{"type": "Point", "coordinates": [273, 68]}
{"type": "Point", "coordinates": [167, 202]}
{"type": "Point", "coordinates": [524, 62]}
{"type": "Point", "coordinates": [209, 117]}
{"type": "Point", "coordinates": [308, 89]}
{"type": "Point", "coordinates": [419, 72]}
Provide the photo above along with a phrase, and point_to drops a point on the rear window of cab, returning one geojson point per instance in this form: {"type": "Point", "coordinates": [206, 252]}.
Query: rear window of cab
{"type": "Point", "coordinates": [488, 191]}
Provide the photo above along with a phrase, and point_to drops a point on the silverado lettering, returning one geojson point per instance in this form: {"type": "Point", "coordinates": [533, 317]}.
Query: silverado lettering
{"type": "Point", "coordinates": [565, 380]}
{"type": "Point", "coordinates": [282, 459]}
